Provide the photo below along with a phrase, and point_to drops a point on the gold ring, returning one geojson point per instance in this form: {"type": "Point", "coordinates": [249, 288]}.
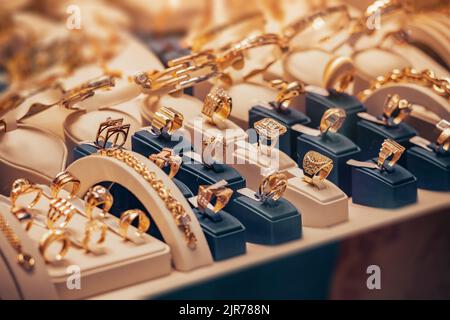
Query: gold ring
{"type": "Point", "coordinates": [209, 145]}
{"type": "Point", "coordinates": [22, 187]}
{"type": "Point", "coordinates": [24, 216]}
{"type": "Point", "coordinates": [268, 130]}
{"type": "Point", "coordinates": [443, 139]}
{"type": "Point", "coordinates": [127, 218]}
{"type": "Point", "coordinates": [60, 210]}
{"type": "Point", "coordinates": [86, 90]}
{"type": "Point", "coordinates": [396, 108]}
{"type": "Point", "coordinates": [61, 180]}
{"type": "Point", "coordinates": [98, 196]}
{"type": "Point", "coordinates": [166, 121]}
{"type": "Point", "coordinates": [332, 120]}
{"type": "Point", "coordinates": [51, 237]}
{"type": "Point", "coordinates": [390, 150]}
{"type": "Point", "coordinates": [272, 187]}
{"type": "Point", "coordinates": [91, 227]}
{"type": "Point", "coordinates": [218, 190]}
{"type": "Point", "coordinates": [339, 73]}
{"type": "Point", "coordinates": [167, 158]}
{"type": "Point", "coordinates": [217, 106]}
{"type": "Point", "coordinates": [286, 92]}
{"type": "Point", "coordinates": [316, 167]}
{"type": "Point", "coordinates": [112, 134]}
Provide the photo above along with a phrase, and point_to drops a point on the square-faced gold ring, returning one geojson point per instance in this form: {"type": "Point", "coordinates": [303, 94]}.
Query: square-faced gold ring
{"type": "Point", "coordinates": [272, 187]}
{"type": "Point", "coordinates": [390, 151]}
{"type": "Point", "coordinates": [268, 131]}
{"type": "Point", "coordinates": [332, 120]}
{"type": "Point", "coordinates": [62, 180]}
{"type": "Point", "coordinates": [217, 106]}
{"type": "Point", "coordinates": [127, 218]}
{"type": "Point", "coordinates": [218, 191]}
{"type": "Point", "coordinates": [95, 197]}
{"type": "Point", "coordinates": [22, 187]}
{"type": "Point", "coordinates": [316, 167]}
{"type": "Point", "coordinates": [167, 158]}
{"type": "Point", "coordinates": [166, 121]}
{"type": "Point", "coordinates": [51, 237]}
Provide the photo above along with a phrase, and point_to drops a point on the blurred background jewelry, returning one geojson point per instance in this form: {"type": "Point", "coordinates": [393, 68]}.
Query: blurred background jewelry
{"type": "Point", "coordinates": [217, 191]}
{"type": "Point", "coordinates": [316, 168]}
{"type": "Point", "coordinates": [127, 218]}
{"type": "Point", "coordinates": [25, 260]}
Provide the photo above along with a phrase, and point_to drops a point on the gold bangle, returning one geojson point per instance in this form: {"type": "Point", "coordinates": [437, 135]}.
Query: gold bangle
{"type": "Point", "coordinates": [272, 187]}
{"type": "Point", "coordinates": [91, 227]}
{"type": "Point", "coordinates": [61, 180]}
{"type": "Point", "coordinates": [166, 121]}
{"type": "Point", "coordinates": [332, 120]}
{"type": "Point", "coordinates": [167, 158]}
{"type": "Point", "coordinates": [316, 167]}
{"type": "Point", "coordinates": [25, 260]}
{"type": "Point", "coordinates": [390, 151]}
{"type": "Point", "coordinates": [60, 209]}
{"type": "Point", "coordinates": [443, 140]}
{"type": "Point", "coordinates": [217, 106]}
{"type": "Point", "coordinates": [98, 196]}
{"type": "Point", "coordinates": [22, 187]}
{"type": "Point", "coordinates": [112, 134]}
{"type": "Point", "coordinates": [51, 237]}
{"type": "Point", "coordinates": [127, 218]}
{"type": "Point", "coordinates": [218, 191]}
{"type": "Point", "coordinates": [24, 216]}
{"type": "Point", "coordinates": [396, 108]}
{"type": "Point", "coordinates": [268, 130]}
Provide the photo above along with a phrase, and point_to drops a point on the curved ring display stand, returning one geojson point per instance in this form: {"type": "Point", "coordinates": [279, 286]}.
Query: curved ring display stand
{"type": "Point", "coordinates": [17, 283]}
{"type": "Point", "coordinates": [94, 169]}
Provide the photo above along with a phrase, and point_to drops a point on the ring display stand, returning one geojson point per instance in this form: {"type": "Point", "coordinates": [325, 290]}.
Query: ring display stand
{"type": "Point", "coordinates": [95, 169]}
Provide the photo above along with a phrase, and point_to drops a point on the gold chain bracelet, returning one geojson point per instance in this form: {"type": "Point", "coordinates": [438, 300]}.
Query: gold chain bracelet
{"type": "Point", "coordinates": [178, 212]}
{"type": "Point", "coordinates": [426, 78]}
{"type": "Point", "coordinates": [25, 260]}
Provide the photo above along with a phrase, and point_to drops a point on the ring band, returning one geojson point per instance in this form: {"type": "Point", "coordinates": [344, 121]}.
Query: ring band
{"type": "Point", "coordinates": [396, 108]}
{"type": "Point", "coordinates": [61, 180]}
{"type": "Point", "coordinates": [272, 187]}
{"type": "Point", "coordinates": [98, 196]}
{"type": "Point", "coordinates": [268, 130]}
{"type": "Point", "coordinates": [286, 92]}
{"type": "Point", "coordinates": [316, 167]}
{"type": "Point", "coordinates": [24, 216]}
{"type": "Point", "coordinates": [332, 120]}
{"type": "Point", "coordinates": [217, 106]}
{"type": "Point", "coordinates": [127, 218]}
{"type": "Point", "coordinates": [91, 227]}
{"type": "Point", "coordinates": [22, 187]}
{"type": "Point", "coordinates": [209, 145]}
{"type": "Point", "coordinates": [112, 134]}
{"type": "Point", "coordinates": [60, 209]}
{"type": "Point", "coordinates": [166, 121]}
{"type": "Point", "coordinates": [443, 139]}
{"type": "Point", "coordinates": [167, 158]}
{"type": "Point", "coordinates": [51, 237]}
{"type": "Point", "coordinates": [218, 191]}
{"type": "Point", "coordinates": [390, 150]}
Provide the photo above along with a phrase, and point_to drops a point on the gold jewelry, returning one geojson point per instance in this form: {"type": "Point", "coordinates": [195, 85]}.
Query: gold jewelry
{"type": "Point", "coordinates": [51, 237]}
{"type": "Point", "coordinates": [165, 158]}
{"type": "Point", "coordinates": [22, 187]}
{"type": "Point", "coordinates": [91, 227]}
{"type": "Point", "coordinates": [332, 120]}
{"type": "Point", "coordinates": [113, 132]}
{"type": "Point", "coordinates": [396, 108]}
{"type": "Point", "coordinates": [60, 209]}
{"type": "Point", "coordinates": [209, 145]}
{"type": "Point", "coordinates": [217, 106]}
{"type": "Point", "coordinates": [98, 196]}
{"type": "Point", "coordinates": [127, 218]}
{"type": "Point", "coordinates": [389, 149]}
{"type": "Point", "coordinates": [24, 216]}
{"type": "Point", "coordinates": [426, 78]}
{"type": "Point", "coordinates": [25, 260]}
{"type": "Point", "coordinates": [166, 121]}
{"type": "Point", "coordinates": [316, 167]}
{"type": "Point", "coordinates": [61, 180]}
{"type": "Point", "coordinates": [272, 187]}
{"type": "Point", "coordinates": [443, 139]}
{"type": "Point", "coordinates": [286, 92]}
{"type": "Point", "coordinates": [217, 190]}
{"type": "Point", "coordinates": [268, 130]}
{"type": "Point", "coordinates": [339, 73]}
{"type": "Point", "coordinates": [182, 219]}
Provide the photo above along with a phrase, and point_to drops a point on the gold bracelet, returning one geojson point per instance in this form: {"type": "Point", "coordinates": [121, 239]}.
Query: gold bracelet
{"type": "Point", "coordinates": [179, 213]}
{"type": "Point", "coordinates": [25, 260]}
{"type": "Point", "coordinates": [426, 78]}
